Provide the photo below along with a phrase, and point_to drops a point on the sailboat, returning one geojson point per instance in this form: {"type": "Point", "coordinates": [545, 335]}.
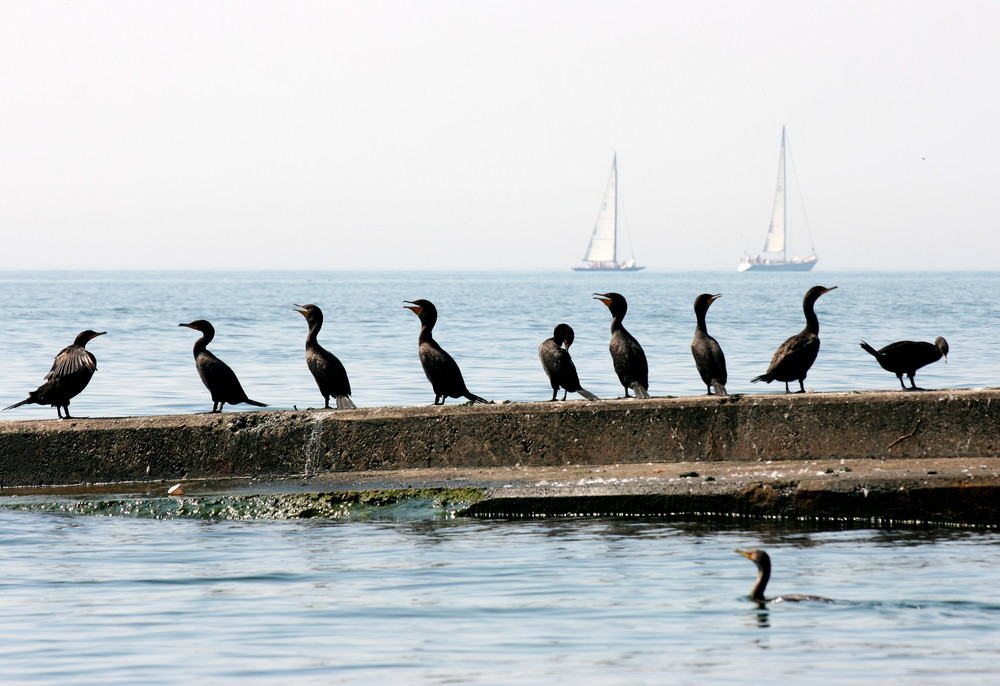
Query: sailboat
{"type": "Point", "coordinates": [774, 258]}
{"type": "Point", "coordinates": [602, 253]}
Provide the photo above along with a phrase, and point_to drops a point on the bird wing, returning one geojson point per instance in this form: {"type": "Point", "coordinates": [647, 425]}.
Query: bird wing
{"type": "Point", "coordinates": [329, 371]}
{"type": "Point", "coordinates": [70, 360]}
{"type": "Point", "coordinates": [798, 351]}
{"type": "Point", "coordinates": [709, 359]}
{"type": "Point", "coordinates": [911, 354]}
{"type": "Point", "coordinates": [442, 370]}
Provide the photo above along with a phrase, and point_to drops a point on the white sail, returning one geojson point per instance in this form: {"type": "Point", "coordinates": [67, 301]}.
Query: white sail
{"type": "Point", "coordinates": [775, 254]}
{"type": "Point", "coordinates": [775, 242]}
{"type": "Point", "coordinates": [602, 242]}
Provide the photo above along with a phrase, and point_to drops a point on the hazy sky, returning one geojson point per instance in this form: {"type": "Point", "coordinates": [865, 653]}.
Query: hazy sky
{"type": "Point", "coordinates": [465, 134]}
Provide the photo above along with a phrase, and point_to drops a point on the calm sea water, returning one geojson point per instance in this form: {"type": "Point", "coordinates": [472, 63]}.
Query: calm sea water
{"type": "Point", "coordinates": [416, 597]}
{"type": "Point", "coordinates": [107, 600]}
{"type": "Point", "coordinates": [492, 324]}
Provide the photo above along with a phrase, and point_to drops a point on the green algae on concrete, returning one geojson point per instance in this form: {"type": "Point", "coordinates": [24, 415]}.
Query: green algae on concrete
{"type": "Point", "coordinates": [418, 503]}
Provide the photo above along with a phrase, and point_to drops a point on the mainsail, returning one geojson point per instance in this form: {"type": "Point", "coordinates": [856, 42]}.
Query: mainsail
{"type": "Point", "coordinates": [602, 242]}
{"type": "Point", "coordinates": [775, 243]}
{"type": "Point", "coordinates": [602, 252]}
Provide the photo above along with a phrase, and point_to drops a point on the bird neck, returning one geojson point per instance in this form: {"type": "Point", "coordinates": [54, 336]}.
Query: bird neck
{"type": "Point", "coordinates": [425, 332]}
{"type": "Point", "coordinates": [314, 328]}
{"type": "Point", "coordinates": [616, 322]}
{"type": "Point", "coordinates": [812, 321]}
{"type": "Point", "coordinates": [702, 325]}
{"type": "Point", "coordinates": [201, 345]}
{"type": "Point", "coordinates": [763, 575]}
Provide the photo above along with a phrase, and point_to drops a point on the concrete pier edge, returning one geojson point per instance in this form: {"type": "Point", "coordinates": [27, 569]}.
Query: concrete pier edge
{"type": "Point", "coordinates": [757, 444]}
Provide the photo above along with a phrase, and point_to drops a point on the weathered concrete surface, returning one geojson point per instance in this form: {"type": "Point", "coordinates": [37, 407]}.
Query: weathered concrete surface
{"type": "Point", "coordinates": [776, 427]}
{"type": "Point", "coordinates": [849, 492]}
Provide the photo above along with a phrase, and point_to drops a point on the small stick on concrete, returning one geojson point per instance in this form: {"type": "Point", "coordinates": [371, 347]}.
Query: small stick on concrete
{"type": "Point", "coordinates": [903, 438]}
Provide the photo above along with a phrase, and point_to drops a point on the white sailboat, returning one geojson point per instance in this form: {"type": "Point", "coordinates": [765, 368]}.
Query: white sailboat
{"type": "Point", "coordinates": [602, 253]}
{"type": "Point", "coordinates": [774, 258]}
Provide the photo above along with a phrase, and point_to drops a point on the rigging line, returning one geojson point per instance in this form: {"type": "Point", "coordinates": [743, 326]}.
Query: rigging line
{"type": "Point", "coordinates": [623, 221]}
{"type": "Point", "coordinates": [802, 202]}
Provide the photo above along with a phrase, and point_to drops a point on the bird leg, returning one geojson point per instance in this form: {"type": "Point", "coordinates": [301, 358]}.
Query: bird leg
{"type": "Point", "coordinates": [565, 393]}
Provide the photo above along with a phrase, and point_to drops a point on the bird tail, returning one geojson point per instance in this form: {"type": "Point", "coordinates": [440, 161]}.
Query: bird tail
{"type": "Point", "coordinates": [639, 391]}
{"type": "Point", "coordinates": [766, 378]}
{"type": "Point", "coordinates": [476, 399]}
{"type": "Point", "coordinates": [719, 388]}
{"type": "Point", "coordinates": [868, 349]}
{"type": "Point", "coordinates": [23, 402]}
{"type": "Point", "coordinates": [255, 402]}
{"type": "Point", "coordinates": [344, 402]}
{"type": "Point", "coordinates": [587, 394]}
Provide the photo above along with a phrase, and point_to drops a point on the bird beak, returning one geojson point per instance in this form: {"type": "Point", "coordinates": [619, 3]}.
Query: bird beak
{"type": "Point", "coordinates": [99, 333]}
{"type": "Point", "coordinates": [303, 312]}
{"type": "Point", "coordinates": [744, 553]}
{"type": "Point", "coordinates": [603, 298]}
{"type": "Point", "coordinates": [187, 325]}
{"type": "Point", "coordinates": [831, 288]}
{"type": "Point", "coordinates": [715, 297]}
{"type": "Point", "coordinates": [417, 309]}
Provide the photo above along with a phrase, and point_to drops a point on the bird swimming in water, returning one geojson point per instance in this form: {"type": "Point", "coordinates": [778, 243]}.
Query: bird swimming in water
{"type": "Point", "coordinates": [906, 357]}
{"type": "Point", "coordinates": [763, 562]}
{"type": "Point", "coordinates": [559, 365]}
{"type": "Point", "coordinates": [218, 378]}
{"type": "Point", "coordinates": [626, 353]}
{"type": "Point", "coordinates": [71, 371]}
{"type": "Point", "coordinates": [708, 355]}
{"type": "Point", "coordinates": [439, 367]}
{"type": "Point", "coordinates": [329, 372]}
{"type": "Point", "coordinates": [794, 357]}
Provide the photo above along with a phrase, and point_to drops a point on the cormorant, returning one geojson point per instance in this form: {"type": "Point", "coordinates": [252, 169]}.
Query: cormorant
{"type": "Point", "coordinates": [559, 365]}
{"type": "Point", "coordinates": [329, 372]}
{"type": "Point", "coordinates": [626, 353]}
{"type": "Point", "coordinates": [71, 371]}
{"type": "Point", "coordinates": [218, 378]}
{"type": "Point", "coordinates": [906, 357]}
{"type": "Point", "coordinates": [794, 357]}
{"type": "Point", "coordinates": [763, 562]}
{"type": "Point", "coordinates": [708, 355]}
{"type": "Point", "coordinates": [440, 367]}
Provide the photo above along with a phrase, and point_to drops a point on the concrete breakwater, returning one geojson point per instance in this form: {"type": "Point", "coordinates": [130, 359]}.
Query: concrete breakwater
{"type": "Point", "coordinates": [749, 428]}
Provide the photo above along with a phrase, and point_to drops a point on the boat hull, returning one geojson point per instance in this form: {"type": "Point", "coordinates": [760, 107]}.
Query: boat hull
{"type": "Point", "coordinates": [607, 269]}
{"type": "Point", "coordinates": [801, 266]}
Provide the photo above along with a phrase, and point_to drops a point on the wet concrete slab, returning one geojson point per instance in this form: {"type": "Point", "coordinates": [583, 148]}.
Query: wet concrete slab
{"type": "Point", "coordinates": [930, 456]}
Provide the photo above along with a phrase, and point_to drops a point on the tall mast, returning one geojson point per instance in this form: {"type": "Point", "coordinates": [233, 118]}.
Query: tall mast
{"type": "Point", "coordinates": [614, 172]}
{"type": "Point", "coordinates": [784, 201]}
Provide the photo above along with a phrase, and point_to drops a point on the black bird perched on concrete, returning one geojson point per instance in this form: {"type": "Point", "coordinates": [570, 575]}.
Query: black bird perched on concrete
{"type": "Point", "coordinates": [906, 357]}
{"type": "Point", "coordinates": [763, 562]}
{"type": "Point", "coordinates": [329, 372]}
{"type": "Point", "coordinates": [794, 357]}
{"type": "Point", "coordinates": [71, 371]}
{"type": "Point", "coordinates": [218, 378]}
{"type": "Point", "coordinates": [626, 353]}
{"type": "Point", "coordinates": [559, 365]}
{"type": "Point", "coordinates": [707, 352]}
{"type": "Point", "coordinates": [440, 367]}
